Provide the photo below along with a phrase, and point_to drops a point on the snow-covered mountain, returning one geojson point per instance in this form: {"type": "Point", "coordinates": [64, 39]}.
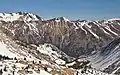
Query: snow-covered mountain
{"type": "Point", "coordinates": [59, 41]}
{"type": "Point", "coordinates": [65, 34]}
{"type": "Point", "coordinates": [21, 16]}
{"type": "Point", "coordinates": [107, 59]}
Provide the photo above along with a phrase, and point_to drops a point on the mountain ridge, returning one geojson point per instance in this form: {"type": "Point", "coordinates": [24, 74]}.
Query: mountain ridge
{"type": "Point", "coordinates": [65, 34]}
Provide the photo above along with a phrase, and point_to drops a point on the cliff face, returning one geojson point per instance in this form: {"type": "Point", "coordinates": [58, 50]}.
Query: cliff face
{"type": "Point", "coordinates": [81, 37]}
{"type": "Point", "coordinates": [75, 38]}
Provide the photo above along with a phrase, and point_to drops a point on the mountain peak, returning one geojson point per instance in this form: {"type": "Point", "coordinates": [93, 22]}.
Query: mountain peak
{"type": "Point", "coordinates": [113, 19]}
{"type": "Point", "coordinates": [24, 16]}
{"type": "Point", "coordinates": [64, 18]}
{"type": "Point", "coordinates": [58, 19]}
{"type": "Point", "coordinates": [79, 20]}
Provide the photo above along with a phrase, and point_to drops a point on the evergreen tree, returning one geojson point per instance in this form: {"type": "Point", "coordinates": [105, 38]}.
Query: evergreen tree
{"type": "Point", "coordinates": [15, 58]}
{"type": "Point", "coordinates": [5, 69]}
{"type": "Point", "coordinates": [24, 58]}
{"type": "Point", "coordinates": [33, 62]}
{"type": "Point", "coordinates": [45, 68]}
{"type": "Point", "coordinates": [39, 62]}
{"type": "Point", "coordinates": [77, 73]}
{"type": "Point", "coordinates": [13, 72]}
{"type": "Point", "coordinates": [1, 72]}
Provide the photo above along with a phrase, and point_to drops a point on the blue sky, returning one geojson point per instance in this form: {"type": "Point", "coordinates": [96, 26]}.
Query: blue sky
{"type": "Point", "coordinates": [72, 9]}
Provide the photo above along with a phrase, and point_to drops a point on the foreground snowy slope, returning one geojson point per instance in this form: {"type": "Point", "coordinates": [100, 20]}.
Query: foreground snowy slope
{"type": "Point", "coordinates": [20, 59]}
{"type": "Point", "coordinates": [15, 67]}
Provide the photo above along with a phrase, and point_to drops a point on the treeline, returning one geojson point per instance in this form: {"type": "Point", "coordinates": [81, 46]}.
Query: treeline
{"type": "Point", "coordinates": [5, 58]}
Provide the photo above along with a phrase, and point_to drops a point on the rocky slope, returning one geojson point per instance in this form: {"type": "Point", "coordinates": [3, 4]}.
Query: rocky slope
{"type": "Point", "coordinates": [17, 58]}
{"type": "Point", "coordinates": [107, 59]}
